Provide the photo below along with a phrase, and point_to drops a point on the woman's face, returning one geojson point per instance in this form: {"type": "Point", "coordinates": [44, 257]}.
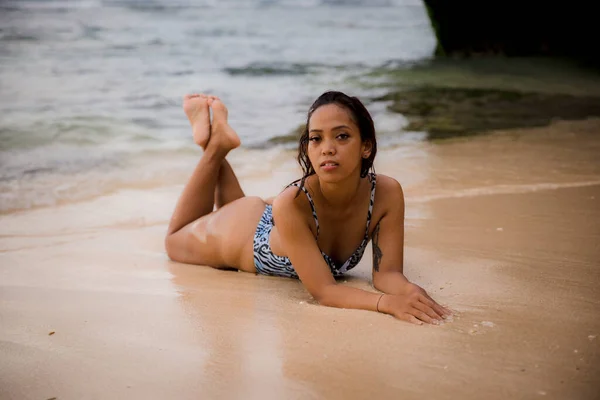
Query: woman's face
{"type": "Point", "coordinates": [335, 148]}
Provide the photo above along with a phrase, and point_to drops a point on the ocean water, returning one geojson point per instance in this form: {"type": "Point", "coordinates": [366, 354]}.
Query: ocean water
{"type": "Point", "coordinates": [91, 90]}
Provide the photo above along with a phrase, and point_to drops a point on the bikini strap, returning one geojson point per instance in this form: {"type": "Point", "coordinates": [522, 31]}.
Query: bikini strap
{"type": "Point", "coordinates": [312, 204]}
{"type": "Point", "coordinates": [373, 178]}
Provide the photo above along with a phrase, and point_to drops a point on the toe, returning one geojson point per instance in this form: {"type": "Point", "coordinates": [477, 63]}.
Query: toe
{"type": "Point", "coordinates": [217, 105]}
{"type": "Point", "coordinates": [202, 104]}
{"type": "Point", "coordinates": [219, 111]}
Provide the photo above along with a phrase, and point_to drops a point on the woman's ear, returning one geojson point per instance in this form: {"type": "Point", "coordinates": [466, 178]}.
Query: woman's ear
{"type": "Point", "coordinates": [366, 149]}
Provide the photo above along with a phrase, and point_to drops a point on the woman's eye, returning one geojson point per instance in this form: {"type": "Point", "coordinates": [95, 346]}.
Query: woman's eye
{"type": "Point", "coordinates": [314, 139]}
{"type": "Point", "coordinates": [344, 136]}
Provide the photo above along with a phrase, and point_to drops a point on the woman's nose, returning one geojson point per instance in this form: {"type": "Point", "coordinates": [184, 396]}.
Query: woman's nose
{"type": "Point", "coordinates": [328, 147]}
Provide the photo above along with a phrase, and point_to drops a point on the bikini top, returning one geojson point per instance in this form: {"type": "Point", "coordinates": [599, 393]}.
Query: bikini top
{"type": "Point", "coordinates": [358, 253]}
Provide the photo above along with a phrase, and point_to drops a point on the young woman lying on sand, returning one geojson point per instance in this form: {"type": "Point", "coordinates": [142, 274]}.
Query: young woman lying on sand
{"type": "Point", "coordinates": [317, 228]}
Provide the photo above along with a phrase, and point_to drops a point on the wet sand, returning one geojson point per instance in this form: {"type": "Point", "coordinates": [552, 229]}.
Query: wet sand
{"type": "Point", "coordinates": [502, 228]}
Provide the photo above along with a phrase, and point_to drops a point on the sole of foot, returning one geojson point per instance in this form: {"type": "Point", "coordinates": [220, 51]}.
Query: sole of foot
{"type": "Point", "coordinates": [197, 110]}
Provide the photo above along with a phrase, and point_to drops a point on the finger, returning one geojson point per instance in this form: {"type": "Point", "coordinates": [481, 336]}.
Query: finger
{"type": "Point", "coordinates": [413, 320]}
{"type": "Point", "coordinates": [421, 315]}
{"type": "Point", "coordinates": [440, 309]}
{"type": "Point", "coordinates": [448, 311]}
{"type": "Point", "coordinates": [439, 313]}
{"type": "Point", "coordinates": [427, 310]}
{"type": "Point", "coordinates": [428, 296]}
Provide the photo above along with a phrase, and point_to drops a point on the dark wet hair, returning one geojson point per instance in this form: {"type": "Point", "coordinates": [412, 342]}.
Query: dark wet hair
{"type": "Point", "coordinates": [360, 116]}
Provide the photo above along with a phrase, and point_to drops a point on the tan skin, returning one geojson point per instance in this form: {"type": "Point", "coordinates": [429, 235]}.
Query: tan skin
{"type": "Point", "coordinates": [223, 238]}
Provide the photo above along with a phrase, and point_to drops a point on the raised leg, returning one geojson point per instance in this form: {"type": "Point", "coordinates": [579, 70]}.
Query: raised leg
{"type": "Point", "coordinates": [197, 234]}
{"type": "Point", "coordinates": [198, 195]}
{"type": "Point", "coordinates": [228, 187]}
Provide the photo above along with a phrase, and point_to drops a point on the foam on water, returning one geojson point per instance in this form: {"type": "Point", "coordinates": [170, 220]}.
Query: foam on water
{"type": "Point", "coordinates": [502, 189]}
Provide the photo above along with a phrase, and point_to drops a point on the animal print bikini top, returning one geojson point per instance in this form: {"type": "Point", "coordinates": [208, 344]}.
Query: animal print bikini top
{"type": "Point", "coordinates": [355, 258]}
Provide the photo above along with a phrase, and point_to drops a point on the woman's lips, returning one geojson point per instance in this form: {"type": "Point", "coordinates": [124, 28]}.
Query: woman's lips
{"type": "Point", "coordinates": [329, 166]}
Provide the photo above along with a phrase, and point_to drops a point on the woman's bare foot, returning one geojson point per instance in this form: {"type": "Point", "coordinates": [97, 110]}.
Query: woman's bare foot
{"type": "Point", "coordinates": [222, 134]}
{"type": "Point", "coordinates": [196, 108]}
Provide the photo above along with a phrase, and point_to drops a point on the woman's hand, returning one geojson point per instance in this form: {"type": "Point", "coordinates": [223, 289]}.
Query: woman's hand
{"type": "Point", "coordinates": [414, 306]}
{"type": "Point", "coordinates": [411, 288]}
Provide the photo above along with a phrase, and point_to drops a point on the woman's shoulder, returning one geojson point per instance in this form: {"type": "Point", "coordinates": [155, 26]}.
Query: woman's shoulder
{"type": "Point", "coordinates": [289, 199]}
{"type": "Point", "coordinates": [388, 187]}
{"type": "Point", "coordinates": [289, 205]}
{"type": "Point", "coordinates": [388, 195]}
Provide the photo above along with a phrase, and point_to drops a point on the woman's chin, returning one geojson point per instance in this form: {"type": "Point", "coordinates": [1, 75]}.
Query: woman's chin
{"type": "Point", "coordinates": [332, 176]}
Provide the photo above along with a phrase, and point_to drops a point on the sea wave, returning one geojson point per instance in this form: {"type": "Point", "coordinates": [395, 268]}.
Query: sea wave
{"type": "Point", "coordinates": [79, 130]}
{"type": "Point", "coordinates": [17, 37]}
{"type": "Point", "coordinates": [291, 69]}
{"type": "Point", "coordinates": [268, 69]}
{"type": "Point", "coordinates": [502, 189]}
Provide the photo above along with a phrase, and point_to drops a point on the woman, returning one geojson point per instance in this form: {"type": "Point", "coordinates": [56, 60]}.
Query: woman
{"type": "Point", "coordinates": [313, 230]}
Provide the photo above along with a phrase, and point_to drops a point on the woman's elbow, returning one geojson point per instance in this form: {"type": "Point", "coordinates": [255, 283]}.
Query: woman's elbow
{"type": "Point", "coordinates": [325, 296]}
{"type": "Point", "coordinates": [377, 280]}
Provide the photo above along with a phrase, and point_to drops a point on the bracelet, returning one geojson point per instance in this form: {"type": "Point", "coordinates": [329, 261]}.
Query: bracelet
{"type": "Point", "coordinates": [382, 294]}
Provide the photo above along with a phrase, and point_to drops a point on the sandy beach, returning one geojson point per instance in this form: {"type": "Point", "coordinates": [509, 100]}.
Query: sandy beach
{"type": "Point", "coordinates": [502, 228]}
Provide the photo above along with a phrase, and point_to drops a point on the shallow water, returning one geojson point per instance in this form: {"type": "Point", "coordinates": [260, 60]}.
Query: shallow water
{"type": "Point", "coordinates": [91, 89]}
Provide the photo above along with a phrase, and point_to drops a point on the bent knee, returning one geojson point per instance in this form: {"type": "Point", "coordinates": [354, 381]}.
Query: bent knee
{"type": "Point", "coordinates": [172, 247]}
{"type": "Point", "coordinates": [218, 238]}
{"type": "Point", "coordinates": [194, 243]}
{"type": "Point", "coordinates": [178, 246]}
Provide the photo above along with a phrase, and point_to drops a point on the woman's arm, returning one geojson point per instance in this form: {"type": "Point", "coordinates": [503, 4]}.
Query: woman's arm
{"type": "Point", "coordinates": [388, 247]}
{"type": "Point", "coordinates": [301, 248]}
{"type": "Point", "coordinates": [388, 240]}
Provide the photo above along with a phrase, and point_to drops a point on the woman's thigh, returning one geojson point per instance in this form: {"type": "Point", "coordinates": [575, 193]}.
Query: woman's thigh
{"type": "Point", "coordinates": [223, 238]}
